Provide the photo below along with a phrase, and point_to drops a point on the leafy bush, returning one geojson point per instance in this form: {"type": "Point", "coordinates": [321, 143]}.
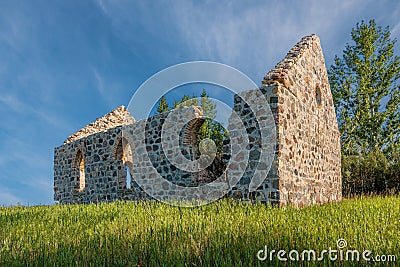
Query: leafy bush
{"type": "Point", "coordinates": [372, 173]}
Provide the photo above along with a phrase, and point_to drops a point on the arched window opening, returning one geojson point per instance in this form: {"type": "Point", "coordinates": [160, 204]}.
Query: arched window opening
{"type": "Point", "coordinates": [80, 165]}
{"type": "Point", "coordinates": [318, 96]}
{"type": "Point", "coordinates": [82, 174]}
{"type": "Point", "coordinates": [123, 155]}
{"type": "Point", "coordinates": [128, 178]}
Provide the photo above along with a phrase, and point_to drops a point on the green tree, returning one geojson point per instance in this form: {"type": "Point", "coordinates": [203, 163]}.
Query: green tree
{"type": "Point", "coordinates": [163, 105]}
{"type": "Point", "coordinates": [209, 112]}
{"type": "Point", "coordinates": [365, 88]}
{"type": "Point", "coordinates": [209, 129]}
{"type": "Point", "coordinates": [186, 101]}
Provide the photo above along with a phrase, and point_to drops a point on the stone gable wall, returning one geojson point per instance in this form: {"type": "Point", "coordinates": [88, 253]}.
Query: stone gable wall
{"type": "Point", "coordinates": [117, 117]}
{"type": "Point", "coordinates": [308, 136]}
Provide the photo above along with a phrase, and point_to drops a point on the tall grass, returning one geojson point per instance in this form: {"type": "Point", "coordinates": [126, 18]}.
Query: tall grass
{"type": "Point", "coordinates": [220, 234]}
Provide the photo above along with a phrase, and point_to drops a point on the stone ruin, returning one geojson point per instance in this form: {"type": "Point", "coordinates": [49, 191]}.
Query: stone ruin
{"type": "Point", "coordinates": [95, 163]}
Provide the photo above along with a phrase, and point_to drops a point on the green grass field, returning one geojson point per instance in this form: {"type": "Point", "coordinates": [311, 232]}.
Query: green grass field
{"type": "Point", "coordinates": [220, 234]}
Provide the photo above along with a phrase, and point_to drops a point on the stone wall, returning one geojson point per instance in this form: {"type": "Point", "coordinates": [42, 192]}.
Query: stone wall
{"type": "Point", "coordinates": [308, 136]}
{"type": "Point", "coordinates": [268, 190]}
{"type": "Point", "coordinates": [305, 160]}
{"type": "Point", "coordinates": [108, 157]}
{"type": "Point", "coordinates": [306, 167]}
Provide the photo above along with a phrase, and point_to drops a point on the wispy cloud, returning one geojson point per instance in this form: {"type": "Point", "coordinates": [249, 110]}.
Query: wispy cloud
{"type": "Point", "coordinates": [7, 198]}
{"type": "Point", "coordinates": [396, 30]}
{"type": "Point", "coordinates": [255, 37]}
{"type": "Point", "coordinates": [100, 84]}
{"type": "Point", "coordinates": [26, 170]}
{"type": "Point", "coordinates": [109, 91]}
{"type": "Point", "coordinates": [13, 103]}
{"type": "Point", "coordinates": [17, 106]}
{"type": "Point", "coordinates": [102, 6]}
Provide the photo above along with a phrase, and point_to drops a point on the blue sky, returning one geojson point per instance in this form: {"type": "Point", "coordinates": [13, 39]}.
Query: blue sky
{"type": "Point", "coordinates": [65, 63]}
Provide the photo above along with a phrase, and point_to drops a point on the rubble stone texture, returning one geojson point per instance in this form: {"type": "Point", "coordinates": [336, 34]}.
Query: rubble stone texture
{"type": "Point", "coordinates": [305, 169]}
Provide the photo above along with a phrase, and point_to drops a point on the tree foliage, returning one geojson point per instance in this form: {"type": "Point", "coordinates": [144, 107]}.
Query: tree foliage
{"type": "Point", "coordinates": [372, 173]}
{"type": "Point", "coordinates": [186, 101]}
{"type": "Point", "coordinates": [210, 128]}
{"type": "Point", "coordinates": [365, 88]}
{"type": "Point", "coordinates": [163, 105]}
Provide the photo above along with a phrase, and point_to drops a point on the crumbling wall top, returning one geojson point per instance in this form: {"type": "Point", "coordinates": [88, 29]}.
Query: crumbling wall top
{"type": "Point", "coordinates": [281, 74]}
{"type": "Point", "coordinates": [117, 117]}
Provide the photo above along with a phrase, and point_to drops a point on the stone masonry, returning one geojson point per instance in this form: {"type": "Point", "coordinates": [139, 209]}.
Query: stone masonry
{"type": "Point", "coordinates": [96, 163]}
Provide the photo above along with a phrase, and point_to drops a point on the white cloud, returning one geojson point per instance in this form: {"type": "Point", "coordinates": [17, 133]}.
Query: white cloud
{"type": "Point", "coordinates": [13, 103]}
{"type": "Point", "coordinates": [19, 107]}
{"type": "Point", "coordinates": [99, 82]}
{"type": "Point", "coordinates": [7, 198]}
{"type": "Point", "coordinates": [254, 37]}
{"type": "Point", "coordinates": [102, 6]}
{"type": "Point", "coordinates": [396, 30]}
{"type": "Point", "coordinates": [108, 90]}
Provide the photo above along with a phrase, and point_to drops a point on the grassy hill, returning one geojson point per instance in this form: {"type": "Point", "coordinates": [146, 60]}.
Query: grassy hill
{"type": "Point", "coordinates": [219, 234]}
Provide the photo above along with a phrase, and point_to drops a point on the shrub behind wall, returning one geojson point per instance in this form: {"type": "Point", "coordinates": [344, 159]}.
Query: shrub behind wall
{"type": "Point", "coordinates": [373, 173]}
